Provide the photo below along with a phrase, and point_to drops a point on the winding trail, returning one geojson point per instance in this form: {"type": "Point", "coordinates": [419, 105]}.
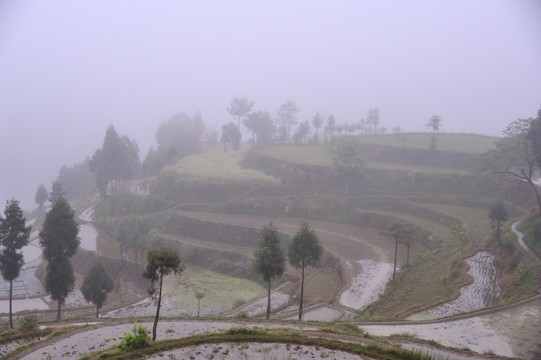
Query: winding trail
{"type": "Point", "coordinates": [520, 238]}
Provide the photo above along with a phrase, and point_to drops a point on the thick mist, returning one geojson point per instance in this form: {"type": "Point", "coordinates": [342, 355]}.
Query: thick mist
{"type": "Point", "coordinates": [70, 69]}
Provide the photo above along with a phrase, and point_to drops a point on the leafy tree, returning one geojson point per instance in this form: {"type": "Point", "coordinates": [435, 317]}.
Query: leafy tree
{"type": "Point", "coordinates": [96, 285]}
{"type": "Point", "coordinates": [347, 161]}
{"type": "Point", "coordinates": [512, 157]}
{"type": "Point", "coordinates": [230, 133]}
{"type": "Point", "coordinates": [57, 192]}
{"type": "Point", "coordinates": [400, 232]}
{"type": "Point", "coordinates": [534, 136]}
{"type": "Point", "coordinates": [317, 123]}
{"type": "Point", "coordinates": [269, 259]}
{"type": "Point", "coordinates": [241, 108]}
{"type": "Point", "coordinates": [13, 236]}
{"type": "Point", "coordinates": [59, 241]}
{"type": "Point", "coordinates": [41, 195]}
{"type": "Point", "coordinates": [498, 214]}
{"type": "Point", "coordinates": [160, 262]}
{"type": "Point", "coordinates": [261, 125]}
{"type": "Point", "coordinates": [287, 116]}
{"type": "Point", "coordinates": [462, 231]}
{"type": "Point", "coordinates": [152, 164]}
{"type": "Point", "coordinates": [304, 249]}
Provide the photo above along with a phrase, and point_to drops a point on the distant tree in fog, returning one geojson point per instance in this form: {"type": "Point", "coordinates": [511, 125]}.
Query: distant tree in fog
{"type": "Point", "coordinates": [434, 123]}
{"type": "Point", "coordinates": [181, 133]}
{"type": "Point", "coordinates": [78, 180]}
{"type": "Point", "coordinates": [117, 159]}
{"type": "Point", "coordinates": [261, 125]}
{"type": "Point", "coordinates": [302, 132]}
{"type": "Point", "coordinates": [287, 117]}
{"type": "Point", "coordinates": [240, 108]}
{"type": "Point", "coordinates": [14, 235]}
{"type": "Point", "coordinates": [372, 119]}
{"type": "Point", "coordinates": [231, 134]}
{"type": "Point", "coordinates": [317, 123]}
{"type": "Point", "coordinates": [41, 195]}
{"type": "Point", "coordinates": [57, 192]}
{"type": "Point", "coordinates": [330, 128]}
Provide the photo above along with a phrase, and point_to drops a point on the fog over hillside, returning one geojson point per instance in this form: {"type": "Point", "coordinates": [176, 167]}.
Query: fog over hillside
{"type": "Point", "coordinates": [70, 69]}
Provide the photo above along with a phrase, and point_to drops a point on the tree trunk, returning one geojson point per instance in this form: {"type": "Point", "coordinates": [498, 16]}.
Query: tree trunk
{"type": "Point", "coordinates": [268, 299]}
{"type": "Point", "coordinates": [157, 311]}
{"type": "Point", "coordinates": [302, 291]}
{"type": "Point", "coordinates": [59, 310]}
{"type": "Point", "coordinates": [395, 253]}
{"type": "Point", "coordinates": [10, 300]}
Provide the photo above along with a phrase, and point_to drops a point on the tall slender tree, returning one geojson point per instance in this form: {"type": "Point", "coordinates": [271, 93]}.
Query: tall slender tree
{"type": "Point", "coordinates": [160, 262]}
{"type": "Point", "coordinates": [240, 108]}
{"type": "Point", "coordinates": [59, 241]}
{"type": "Point", "coordinates": [304, 249]}
{"type": "Point", "coordinates": [57, 192]}
{"type": "Point", "coordinates": [14, 234]}
{"type": "Point", "coordinates": [400, 232]}
{"type": "Point", "coordinates": [269, 259]}
{"type": "Point", "coordinates": [287, 115]}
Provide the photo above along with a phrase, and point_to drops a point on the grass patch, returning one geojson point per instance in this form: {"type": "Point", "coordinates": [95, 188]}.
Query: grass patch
{"type": "Point", "coordinates": [221, 291]}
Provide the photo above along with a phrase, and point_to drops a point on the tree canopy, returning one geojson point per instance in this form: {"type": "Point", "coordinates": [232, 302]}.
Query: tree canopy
{"type": "Point", "coordinates": [269, 258]}
{"type": "Point", "coordinates": [160, 262]}
{"type": "Point", "coordinates": [287, 117]}
{"type": "Point", "coordinates": [14, 234]}
{"type": "Point", "coordinates": [240, 108]}
{"type": "Point", "coordinates": [534, 136]}
{"type": "Point", "coordinates": [400, 232]}
{"type": "Point", "coordinates": [57, 192]}
{"type": "Point", "coordinates": [96, 285]}
{"type": "Point", "coordinates": [59, 241]}
{"type": "Point", "coordinates": [261, 125]}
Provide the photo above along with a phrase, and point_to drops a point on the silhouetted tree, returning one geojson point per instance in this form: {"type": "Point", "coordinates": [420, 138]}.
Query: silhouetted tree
{"type": "Point", "coordinates": [13, 236]}
{"type": "Point", "coordinates": [304, 250]}
{"type": "Point", "coordinates": [534, 136]}
{"type": "Point", "coordinates": [230, 133]}
{"type": "Point", "coordinates": [57, 192]}
{"type": "Point", "coordinates": [269, 259]}
{"type": "Point", "coordinates": [287, 116]}
{"type": "Point", "coordinates": [59, 241]}
{"type": "Point", "coordinates": [317, 123]}
{"type": "Point", "coordinates": [41, 195]}
{"type": "Point", "coordinates": [96, 285]}
{"type": "Point", "coordinates": [261, 125]}
{"type": "Point", "coordinates": [160, 262]}
{"type": "Point", "coordinates": [240, 108]}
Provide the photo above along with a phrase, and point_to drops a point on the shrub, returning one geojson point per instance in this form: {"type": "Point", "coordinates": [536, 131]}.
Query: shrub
{"type": "Point", "coordinates": [135, 340]}
{"type": "Point", "coordinates": [27, 323]}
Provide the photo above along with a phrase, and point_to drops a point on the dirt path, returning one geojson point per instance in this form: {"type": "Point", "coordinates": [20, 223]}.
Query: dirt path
{"type": "Point", "coordinates": [520, 239]}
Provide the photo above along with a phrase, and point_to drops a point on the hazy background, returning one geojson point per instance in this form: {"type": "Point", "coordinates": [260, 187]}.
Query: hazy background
{"type": "Point", "coordinates": [68, 69]}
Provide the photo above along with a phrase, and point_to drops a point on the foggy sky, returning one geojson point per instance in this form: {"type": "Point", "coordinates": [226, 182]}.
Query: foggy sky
{"type": "Point", "coordinates": [68, 69]}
